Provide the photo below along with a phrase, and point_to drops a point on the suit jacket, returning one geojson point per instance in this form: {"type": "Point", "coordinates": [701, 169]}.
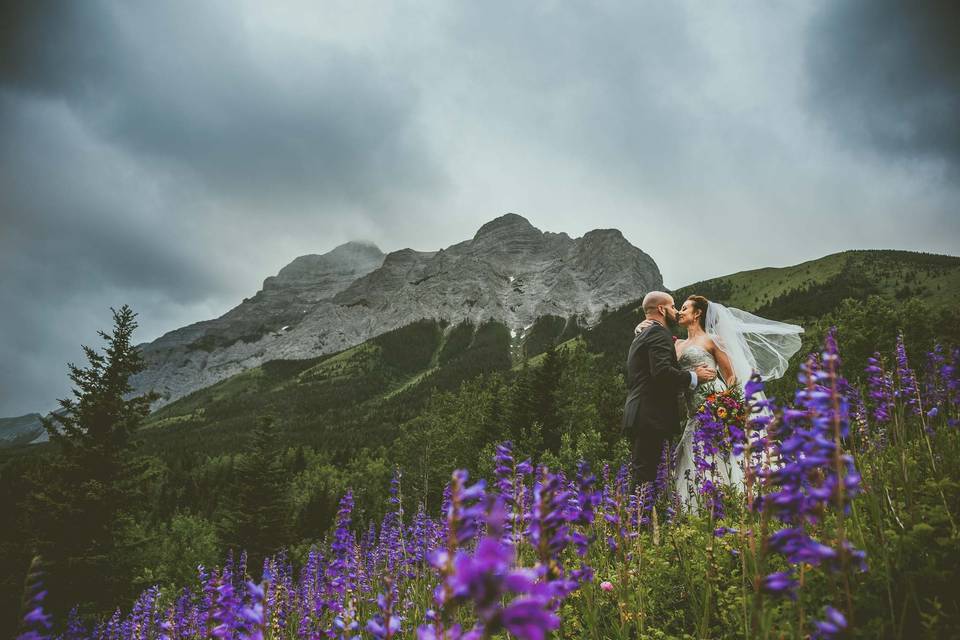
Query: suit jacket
{"type": "Point", "coordinates": [654, 379]}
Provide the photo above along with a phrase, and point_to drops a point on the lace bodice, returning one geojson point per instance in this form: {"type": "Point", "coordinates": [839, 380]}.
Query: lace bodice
{"type": "Point", "coordinates": [695, 355]}
{"type": "Point", "coordinates": [689, 359]}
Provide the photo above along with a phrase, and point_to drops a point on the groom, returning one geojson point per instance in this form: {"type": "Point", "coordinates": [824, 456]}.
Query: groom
{"type": "Point", "coordinates": [651, 414]}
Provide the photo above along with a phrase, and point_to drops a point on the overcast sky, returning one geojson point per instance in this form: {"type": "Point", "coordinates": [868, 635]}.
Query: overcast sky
{"type": "Point", "coordinates": [171, 155]}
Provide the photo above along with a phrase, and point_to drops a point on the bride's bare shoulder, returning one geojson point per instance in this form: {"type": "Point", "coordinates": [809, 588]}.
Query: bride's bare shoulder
{"type": "Point", "coordinates": [711, 346]}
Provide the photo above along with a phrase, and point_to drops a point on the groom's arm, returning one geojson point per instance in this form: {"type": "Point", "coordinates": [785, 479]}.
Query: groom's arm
{"type": "Point", "coordinates": [661, 363]}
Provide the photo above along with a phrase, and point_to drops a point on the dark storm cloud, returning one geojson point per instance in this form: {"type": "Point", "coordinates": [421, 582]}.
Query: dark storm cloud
{"type": "Point", "coordinates": [180, 84]}
{"type": "Point", "coordinates": [887, 75]}
{"type": "Point", "coordinates": [80, 232]}
{"type": "Point", "coordinates": [610, 83]}
{"type": "Point", "coordinates": [171, 155]}
{"type": "Point", "coordinates": [144, 152]}
{"type": "Point", "coordinates": [72, 221]}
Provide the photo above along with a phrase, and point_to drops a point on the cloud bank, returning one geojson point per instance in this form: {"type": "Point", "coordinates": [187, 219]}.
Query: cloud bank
{"type": "Point", "coordinates": [172, 155]}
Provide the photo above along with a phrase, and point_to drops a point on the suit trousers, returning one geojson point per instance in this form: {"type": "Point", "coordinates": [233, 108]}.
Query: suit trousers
{"type": "Point", "coordinates": [647, 452]}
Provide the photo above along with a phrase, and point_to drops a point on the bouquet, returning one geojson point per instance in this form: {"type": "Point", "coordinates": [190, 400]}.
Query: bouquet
{"type": "Point", "coordinates": [723, 417]}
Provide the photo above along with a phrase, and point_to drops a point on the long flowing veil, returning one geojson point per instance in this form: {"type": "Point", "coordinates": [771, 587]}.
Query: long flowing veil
{"type": "Point", "coordinates": [752, 343]}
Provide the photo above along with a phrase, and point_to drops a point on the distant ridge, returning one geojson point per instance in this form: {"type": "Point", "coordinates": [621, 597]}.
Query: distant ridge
{"type": "Point", "coordinates": [815, 287]}
{"type": "Point", "coordinates": [25, 429]}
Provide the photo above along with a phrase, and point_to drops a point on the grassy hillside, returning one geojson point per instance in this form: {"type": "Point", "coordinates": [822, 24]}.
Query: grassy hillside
{"type": "Point", "coordinates": [340, 401]}
{"type": "Point", "coordinates": [355, 398]}
{"type": "Point", "coordinates": [812, 289]}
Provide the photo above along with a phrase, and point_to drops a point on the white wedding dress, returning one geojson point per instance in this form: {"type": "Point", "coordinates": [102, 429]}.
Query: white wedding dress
{"type": "Point", "coordinates": [753, 345]}
{"type": "Point", "coordinates": [729, 470]}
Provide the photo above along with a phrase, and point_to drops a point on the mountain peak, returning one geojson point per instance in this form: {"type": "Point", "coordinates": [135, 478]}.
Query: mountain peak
{"type": "Point", "coordinates": [506, 221]}
{"type": "Point", "coordinates": [354, 247]}
{"type": "Point", "coordinates": [511, 272]}
{"type": "Point", "coordinates": [605, 233]}
{"type": "Point", "coordinates": [329, 273]}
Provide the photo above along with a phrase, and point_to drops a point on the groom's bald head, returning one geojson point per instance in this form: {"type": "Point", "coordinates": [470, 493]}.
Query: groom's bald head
{"type": "Point", "coordinates": [655, 299]}
{"type": "Point", "coordinates": [659, 306]}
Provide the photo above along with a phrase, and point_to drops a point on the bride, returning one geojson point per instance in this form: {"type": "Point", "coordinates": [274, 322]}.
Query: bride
{"type": "Point", "coordinates": [736, 344]}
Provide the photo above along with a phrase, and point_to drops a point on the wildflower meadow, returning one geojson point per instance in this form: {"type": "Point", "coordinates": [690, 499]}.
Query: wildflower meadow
{"type": "Point", "coordinates": [845, 526]}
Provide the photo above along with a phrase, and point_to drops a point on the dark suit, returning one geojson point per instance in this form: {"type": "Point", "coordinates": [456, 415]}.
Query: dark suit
{"type": "Point", "coordinates": [651, 414]}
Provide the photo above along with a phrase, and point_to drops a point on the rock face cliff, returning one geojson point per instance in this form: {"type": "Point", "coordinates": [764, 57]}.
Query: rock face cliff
{"type": "Point", "coordinates": [509, 271]}
{"type": "Point", "coordinates": [26, 429]}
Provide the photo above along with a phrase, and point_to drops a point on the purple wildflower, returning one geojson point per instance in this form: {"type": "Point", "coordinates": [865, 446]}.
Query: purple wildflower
{"type": "Point", "coordinates": [548, 531]}
{"type": "Point", "coordinates": [36, 623]}
{"type": "Point", "coordinates": [781, 583]}
{"type": "Point", "coordinates": [662, 486]}
{"type": "Point", "coordinates": [424, 538]}
{"type": "Point", "coordinates": [225, 607]}
{"type": "Point", "coordinates": [504, 469]}
{"type": "Point", "coordinates": [486, 579]}
{"type": "Point", "coordinates": [583, 507]}
{"type": "Point", "coordinates": [142, 614]}
{"type": "Point", "coordinates": [509, 483]}
{"type": "Point", "coordinates": [464, 515]}
{"type": "Point", "coordinates": [935, 389]}
{"type": "Point", "coordinates": [880, 389]}
{"type": "Point", "coordinates": [813, 474]}
{"type": "Point", "coordinates": [616, 507]}
{"type": "Point", "coordinates": [834, 624]}
{"type": "Point", "coordinates": [252, 615]}
{"type": "Point", "coordinates": [386, 623]}
{"type": "Point", "coordinates": [465, 512]}
{"type": "Point", "coordinates": [906, 389]}
{"type": "Point", "coordinates": [710, 441]}
{"type": "Point", "coordinates": [75, 629]}
{"type": "Point", "coordinates": [341, 571]}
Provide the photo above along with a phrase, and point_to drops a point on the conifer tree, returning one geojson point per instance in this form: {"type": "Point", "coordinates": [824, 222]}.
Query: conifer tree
{"type": "Point", "coordinates": [522, 409]}
{"type": "Point", "coordinates": [259, 521]}
{"type": "Point", "coordinates": [498, 429]}
{"type": "Point", "coordinates": [544, 395]}
{"type": "Point", "coordinates": [76, 502]}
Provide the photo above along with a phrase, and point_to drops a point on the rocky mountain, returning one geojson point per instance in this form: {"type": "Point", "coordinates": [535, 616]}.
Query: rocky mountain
{"type": "Point", "coordinates": [26, 429]}
{"type": "Point", "coordinates": [509, 271]}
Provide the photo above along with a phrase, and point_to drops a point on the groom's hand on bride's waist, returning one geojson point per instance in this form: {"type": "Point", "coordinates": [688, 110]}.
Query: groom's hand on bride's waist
{"type": "Point", "coordinates": [705, 373]}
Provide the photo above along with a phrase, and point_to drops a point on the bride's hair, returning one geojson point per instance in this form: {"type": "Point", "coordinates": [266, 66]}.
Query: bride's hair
{"type": "Point", "coordinates": [700, 303]}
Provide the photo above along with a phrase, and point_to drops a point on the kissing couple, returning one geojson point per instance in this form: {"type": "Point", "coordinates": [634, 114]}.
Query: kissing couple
{"type": "Point", "coordinates": [723, 348]}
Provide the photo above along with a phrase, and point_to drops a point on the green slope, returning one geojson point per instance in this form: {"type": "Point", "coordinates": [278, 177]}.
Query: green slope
{"type": "Point", "coordinates": [361, 396]}
{"type": "Point", "coordinates": [339, 402]}
{"type": "Point", "coordinates": [354, 398]}
{"type": "Point", "coordinates": [812, 289]}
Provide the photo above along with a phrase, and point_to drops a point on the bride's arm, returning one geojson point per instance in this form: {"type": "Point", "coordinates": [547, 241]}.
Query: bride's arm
{"type": "Point", "coordinates": [723, 363]}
